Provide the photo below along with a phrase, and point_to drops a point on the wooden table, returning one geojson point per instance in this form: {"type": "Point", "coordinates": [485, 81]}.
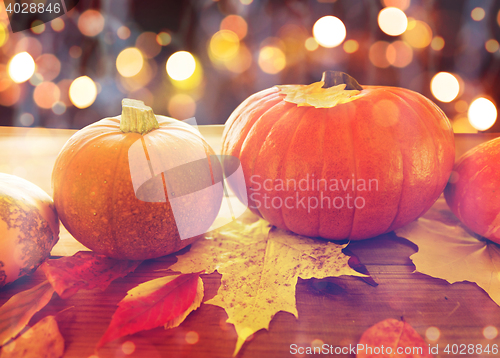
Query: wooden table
{"type": "Point", "coordinates": [336, 310]}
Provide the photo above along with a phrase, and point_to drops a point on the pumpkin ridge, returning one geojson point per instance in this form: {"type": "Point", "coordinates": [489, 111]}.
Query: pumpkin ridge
{"type": "Point", "coordinates": [285, 159]}
{"type": "Point", "coordinates": [430, 133]}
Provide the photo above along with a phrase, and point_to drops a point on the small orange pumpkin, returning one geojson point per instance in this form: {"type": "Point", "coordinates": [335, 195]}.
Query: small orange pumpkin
{"type": "Point", "coordinates": [473, 191]}
{"type": "Point", "coordinates": [338, 160]}
{"type": "Point", "coordinates": [29, 227]}
{"type": "Point", "coordinates": [114, 183]}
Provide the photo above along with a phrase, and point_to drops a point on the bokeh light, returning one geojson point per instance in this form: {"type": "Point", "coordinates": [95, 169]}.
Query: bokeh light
{"type": "Point", "coordinates": [129, 62]}
{"type": "Point", "coordinates": [48, 66]}
{"type": "Point", "coordinates": [400, 4]}
{"type": "Point", "coordinates": [163, 38]}
{"type": "Point", "coordinates": [181, 65]}
{"type": "Point", "coordinates": [37, 27]}
{"type": "Point", "coordinates": [21, 67]}
{"type": "Point", "coordinates": [392, 21]}
{"type": "Point", "coordinates": [181, 106]}
{"type": "Point", "coordinates": [378, 54]}
{"type": "Point", "coordinates": [351, 46]}
{"type": "Point", "coordinates": [83, 92]}
{"type": "Point", "coordinates": [477, 14]}
{"type": "Point", "coordinates": [192, 337]}
{"type": "Point", "coordinates": [311, 44]}
{"type": "Point", "coordinates": [241, 62]}
{"type": "Point", "coordinates": [461, 106]}
{"type": "Point", "coordinates": [236, 24]}
{"type": "Point", "coordinates": [28, 44]}
{"type": "Point", "coordinates": [399, 54]}
{"type": "Point", "coordinates": [46, 94]}
{"type": "Point", "coordinates": [4, 34]}
{"type": "Point", "coordinates": [57, 24]}
{"type": "Point", "coordinates": [224, 45]}
{"type": "Point", "coordinates": [271, 59]}
{"type": "Point", "coordinates": [128, 347]}
{"type": "Point", "coordinates": [490, 332]}
{"type": "Point", "coordinates": [482, 113]}
{"type": "Point", "coordinates": [461, 124]}
{"type": "Point", "coordinates": [445, 87]}
{"type": "Point", "coordinates": [26, 119]}
{"type": "Point", "coordinates": [91, 23]}
{"type": "Point", "coordinates": [418, 34]}
{"type": "Point", "coordinates": [329, 31]}
{"type": "Point", "coordinates": [432, 333]}
{"type": "Point", "coordinates": [147, 44]}
{"type": "Point", "coordinates": [75, 51]}
{"type": "Point", "coordinates": [492, 45]}
{"type": "Point", "coordinates": [123, 32]}
{"type": "Point", "coordinates": [437, 43]}
{"type": "Point", "coordinates": [246, 2]}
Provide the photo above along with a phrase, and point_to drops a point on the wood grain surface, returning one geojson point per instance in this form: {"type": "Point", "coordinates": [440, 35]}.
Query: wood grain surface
{"type": "Point", "coordinates": [334, 311]}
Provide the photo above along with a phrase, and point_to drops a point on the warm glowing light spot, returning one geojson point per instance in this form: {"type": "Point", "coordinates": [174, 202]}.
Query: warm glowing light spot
{"type": "Point", "coordinates": [192, 337]}
{"type": "Point", "coordinates": [91, 23]}
{"type": "Point", "coordinates": [224, 44]}
{"type": "Point", "coordinates": [351, 46]}
{"type": "Point", "coordinates": [129, 62]}
{"type": "Point", "coordinates": [26, 119]}
{"type": "Point", "coordinates": [4, 34]}
{"type": "Point", "coordinates": [58, 108]}
{"type": "Point", "coordinates": [123, 32]}
{"type": "Point", "coordinates": [75, 51]}
{"type": "Point", "coordinates": [21, 67]}
{"type": "Point", "coordinates": [82, 92]}
{"type": "Point", "coordinates": [399, 54]}
{"type": "Point", "coordinates": [317, 343]}
{"type": "Point", "coordinates": [181, 106]}
{"type": "Point", "coordinates": [181, 65]}
{"type": "Point", "coordinates": [271, 59]}
{"type": "Point", "coordinates": [400, 4]}
{"type": "Point", "coordinates": [246, 2]}
{"type": "Point", "coordinates": [128, 347]}
{"type": "Point", "coordinates": [329, 31]}
{"type": "Point", "coordinates": [10, 94]}
{"type": "Point", "coordinates": [418, 34]}
{"type": "Point", "coordinates": [146, 43]}
{"type": "Point", "coordinates": [461, 106]}
{"type": "Point", "coordinates": [37, 27]}
{"type": "Point", "coordinates": [377, 54]}
{"type": "Point", "coordinates": [163, 38]}
{"type": "Point", "coordinates": [492, 45]}
{"type": "Point", "coordinates": [241, 62]}
{"type": "Point", "coordinates": [48, 66]}
{"type": "Point", "coordinates": [236, 24]}
{"type": "Point", "coordinates": [432, 334]}
{"type": "Point", "coordinates": [482, 113]}
{"type": "Point", "coordinates": [445, 87]}
{"type": "Point", "coordinates": [392, 21]}
{"type": "Point", "coordinates": [57, 24]}
{"type": "Point", "coordinates": [437, 43]}
{"type": "Point", "coordinates": [461, 124]}
{"type": "Point", "coordinates": [311, 44]}
{"type": "Point", "coordinates": [477, 14]}
{"type": "Point", "coordinates": [490, 332]}
{"type": "Point", "coordinates": [46, 94]}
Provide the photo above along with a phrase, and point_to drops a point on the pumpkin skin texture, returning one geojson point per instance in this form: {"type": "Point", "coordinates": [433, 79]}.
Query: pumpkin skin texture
{"type": "Point", "coordinates": [94, 190]}
{"type": "Point", "coordinates": [473, 192]}
{"type": "Point", "coordinates": [29, 227]}
{"type": "Point", "coordinates": [395, 138]}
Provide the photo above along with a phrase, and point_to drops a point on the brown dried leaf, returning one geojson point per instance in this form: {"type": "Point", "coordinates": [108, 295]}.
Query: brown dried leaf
{"type": "Point", "coordinates": [16, 313]}
{"type": "Point", "coordinates": [392, 338]}
{"type": "Point", "coordinates": [43, 340]}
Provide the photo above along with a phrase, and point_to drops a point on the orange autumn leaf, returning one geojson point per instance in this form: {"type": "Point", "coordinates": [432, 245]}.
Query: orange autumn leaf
{"type": "Point", "coordinates": [392, 338]}
{"type": "Point", "coordinates": [161, 302]}
{"type": "Point", "coordinates": [18, 310]}
{"type": "Point", "coordinates": [43, 340]}
{"type": "Point", "coordinates": [85, 270]}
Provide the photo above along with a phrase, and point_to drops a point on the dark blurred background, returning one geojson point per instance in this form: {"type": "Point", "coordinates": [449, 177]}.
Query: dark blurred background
{"type": "Point", "coordinates": [202, 57]}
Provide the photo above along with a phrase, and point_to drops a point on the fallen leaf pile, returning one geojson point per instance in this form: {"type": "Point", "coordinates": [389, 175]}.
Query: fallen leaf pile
{"type": "Point", "coordinates": [448, 250]}
{"type": "Point", "coordinates": [390, 337]}
{"type": "Point", "coordinates": [260, 268]}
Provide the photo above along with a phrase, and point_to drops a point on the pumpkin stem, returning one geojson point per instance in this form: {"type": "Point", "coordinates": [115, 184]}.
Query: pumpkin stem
{"type": "Point", "coordinates": [335, 78]}
{"type": "Point", "coordinates": [137, 117]}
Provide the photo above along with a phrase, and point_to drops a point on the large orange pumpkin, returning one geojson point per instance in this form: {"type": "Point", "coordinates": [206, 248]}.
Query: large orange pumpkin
{"type": "Point", "coordinates": [29, 227]}
{"type": "Point", "coordinates": [116, 182]}
{"type": "Point", "coordinates": [338, 160]}
{"type": "Point", "coordinates": [473, 192]}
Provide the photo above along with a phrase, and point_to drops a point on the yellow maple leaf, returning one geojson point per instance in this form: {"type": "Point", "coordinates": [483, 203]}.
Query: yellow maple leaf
{"type": "Point", "coordinates": [260, 267]}
{"type": "Point", "coordinates": [448, 250]}
{"type": "Point", "coordinates": [314, 95]}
